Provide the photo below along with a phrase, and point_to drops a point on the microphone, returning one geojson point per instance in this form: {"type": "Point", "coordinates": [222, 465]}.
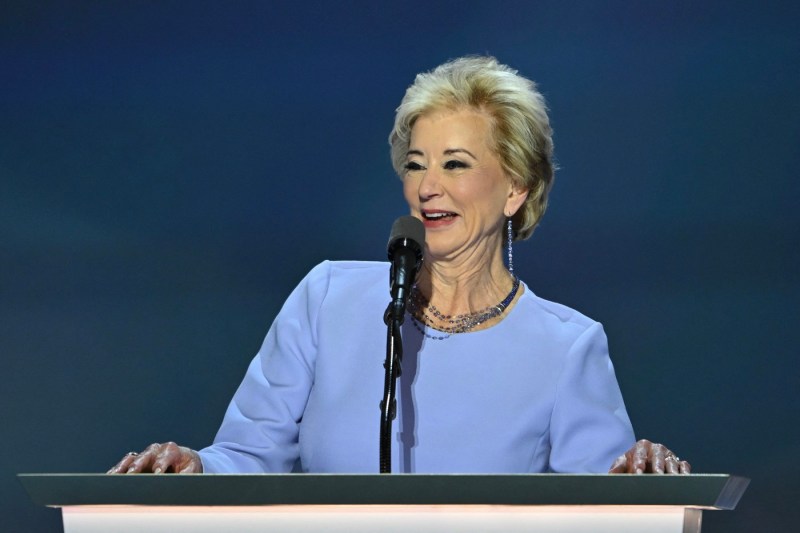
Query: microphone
{"type": "Point", "coordinates": [405, 252]}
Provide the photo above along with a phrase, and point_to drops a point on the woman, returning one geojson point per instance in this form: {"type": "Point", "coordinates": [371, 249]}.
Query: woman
{"type": "Point", "coordinates": [494, 378]}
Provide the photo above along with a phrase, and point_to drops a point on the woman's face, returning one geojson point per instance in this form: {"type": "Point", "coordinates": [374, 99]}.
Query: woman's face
{"type": "Point", "coordinates": [455, 184]}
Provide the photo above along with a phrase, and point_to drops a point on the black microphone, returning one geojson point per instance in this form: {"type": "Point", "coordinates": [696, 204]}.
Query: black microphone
{"type": "Point", "coordinates": [405, 252]}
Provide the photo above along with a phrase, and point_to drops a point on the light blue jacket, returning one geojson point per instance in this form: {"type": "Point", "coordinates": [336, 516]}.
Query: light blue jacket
{"type": "Point", "coordinates": [534, 393]}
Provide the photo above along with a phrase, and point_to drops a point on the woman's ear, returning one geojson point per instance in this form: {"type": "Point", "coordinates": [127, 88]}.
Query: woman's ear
{"type": "Point", "coordinates": [517, 195]}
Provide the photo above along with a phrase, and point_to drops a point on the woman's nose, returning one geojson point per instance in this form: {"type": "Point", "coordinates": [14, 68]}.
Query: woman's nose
{"type": "Point", "coordinates": [430, 185]}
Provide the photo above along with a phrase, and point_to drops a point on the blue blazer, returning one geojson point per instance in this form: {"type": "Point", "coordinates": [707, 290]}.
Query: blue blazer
{"type": "Point", "coordinates": [534, 393]}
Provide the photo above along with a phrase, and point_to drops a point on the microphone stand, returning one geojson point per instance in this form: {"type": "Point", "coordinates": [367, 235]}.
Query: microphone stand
{"type": "Point", "coordinates": [405, 253]}
{"type": "Point", "coordinates": [394, 357]}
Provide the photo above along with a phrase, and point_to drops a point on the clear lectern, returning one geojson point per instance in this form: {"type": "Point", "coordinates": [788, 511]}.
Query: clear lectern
{"type": "Point", "coordinates": [416, 503]}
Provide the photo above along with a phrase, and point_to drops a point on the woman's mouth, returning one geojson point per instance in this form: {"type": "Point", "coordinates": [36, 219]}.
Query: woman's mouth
{"type": "Point", "coordinates": [436, 219]}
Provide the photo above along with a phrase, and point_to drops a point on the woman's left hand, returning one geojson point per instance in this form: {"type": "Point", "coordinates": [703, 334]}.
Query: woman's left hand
{"type": "Point", "coordinates": [650, 458]}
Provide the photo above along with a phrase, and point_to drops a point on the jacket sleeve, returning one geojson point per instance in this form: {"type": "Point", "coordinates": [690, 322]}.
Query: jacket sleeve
{"type": "Point", "coordinates": [260, 430]}
{"type": "Point", "coordinates": [589, 426]}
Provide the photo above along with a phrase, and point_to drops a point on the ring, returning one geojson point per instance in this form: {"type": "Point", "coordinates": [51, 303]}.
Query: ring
{"type": "Point", "coordinates": [134, 454]}
{"type": "Point", "coordinates": [672, 456]}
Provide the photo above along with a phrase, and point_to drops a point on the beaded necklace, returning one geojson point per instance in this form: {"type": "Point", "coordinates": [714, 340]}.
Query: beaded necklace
{"type": "Point", "coordinates": [419, 307]}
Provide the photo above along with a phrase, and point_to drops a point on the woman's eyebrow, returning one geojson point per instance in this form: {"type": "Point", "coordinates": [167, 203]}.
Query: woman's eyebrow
{"type": "Point", "coordinates": [414, 152]}
{"type": "Point", "coordinates": [451, 151]}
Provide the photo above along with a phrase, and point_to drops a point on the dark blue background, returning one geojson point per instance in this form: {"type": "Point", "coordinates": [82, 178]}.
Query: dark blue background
{"type": "Point", "coordinates": [170, 170]}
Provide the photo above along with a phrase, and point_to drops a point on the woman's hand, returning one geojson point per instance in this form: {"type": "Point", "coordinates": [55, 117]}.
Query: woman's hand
{"type": "Point", "coordinates": [160, 458]}
{"type": "Point", "coordinates": [649, 457]}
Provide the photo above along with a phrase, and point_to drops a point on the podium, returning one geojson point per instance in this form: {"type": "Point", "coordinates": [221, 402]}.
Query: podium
{"type": "Point", "coordinates": [420, 503]}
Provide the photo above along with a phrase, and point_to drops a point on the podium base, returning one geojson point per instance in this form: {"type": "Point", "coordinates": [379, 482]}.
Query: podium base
{"type": "Point", "coordinates": [384, 518]}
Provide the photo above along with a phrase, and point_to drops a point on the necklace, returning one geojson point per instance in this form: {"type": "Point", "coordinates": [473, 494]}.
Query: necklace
{"type": "Point", "coordinates": [423, 314]}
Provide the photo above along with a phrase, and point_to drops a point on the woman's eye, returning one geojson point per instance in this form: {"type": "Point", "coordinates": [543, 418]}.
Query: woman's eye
{"type": "Point", "coordinates": [454, 164]}
{"type": "Point", "coordinates": [413, 165]}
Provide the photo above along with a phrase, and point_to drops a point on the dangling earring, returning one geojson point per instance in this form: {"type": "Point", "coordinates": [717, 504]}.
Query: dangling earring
{"type": "Point", "coordinates": [510, 249]}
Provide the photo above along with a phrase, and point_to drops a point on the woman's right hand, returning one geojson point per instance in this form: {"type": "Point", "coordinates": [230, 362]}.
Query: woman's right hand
{"type": "Point", "coordinates": [157, 458]}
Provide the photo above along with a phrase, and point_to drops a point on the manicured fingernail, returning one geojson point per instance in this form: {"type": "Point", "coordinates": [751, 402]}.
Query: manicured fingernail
{"type": "Point", "coordinates": [639, 471]}
{"type": "Point", "coordinates": [129, 470]}
{"type": "Point", "coordinates": [157, 470]}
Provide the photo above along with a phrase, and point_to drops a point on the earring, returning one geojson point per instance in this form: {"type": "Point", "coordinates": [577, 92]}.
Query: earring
{"type": "Point", "coordinates": [510, 250]}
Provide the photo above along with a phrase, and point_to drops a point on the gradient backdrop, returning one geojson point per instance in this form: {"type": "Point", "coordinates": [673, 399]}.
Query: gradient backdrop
{"type": "Point", "coordinates": [170, 170]}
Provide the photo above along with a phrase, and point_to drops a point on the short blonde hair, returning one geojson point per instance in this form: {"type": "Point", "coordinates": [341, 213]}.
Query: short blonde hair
{"type": "Point", "coordinates": [521, 129]}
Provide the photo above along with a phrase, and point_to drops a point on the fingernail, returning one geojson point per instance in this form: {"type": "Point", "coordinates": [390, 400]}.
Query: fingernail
{"type": "Point", "coordinates": [639, 471]}
{"type": "Point", "coordinates": [157, 470]}
{"type": "Point", "coordinates": [129, 470]}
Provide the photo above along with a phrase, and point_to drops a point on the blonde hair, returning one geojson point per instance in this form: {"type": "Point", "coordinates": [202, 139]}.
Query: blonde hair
{"type": "Point", "coordinates": [521, 129]}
